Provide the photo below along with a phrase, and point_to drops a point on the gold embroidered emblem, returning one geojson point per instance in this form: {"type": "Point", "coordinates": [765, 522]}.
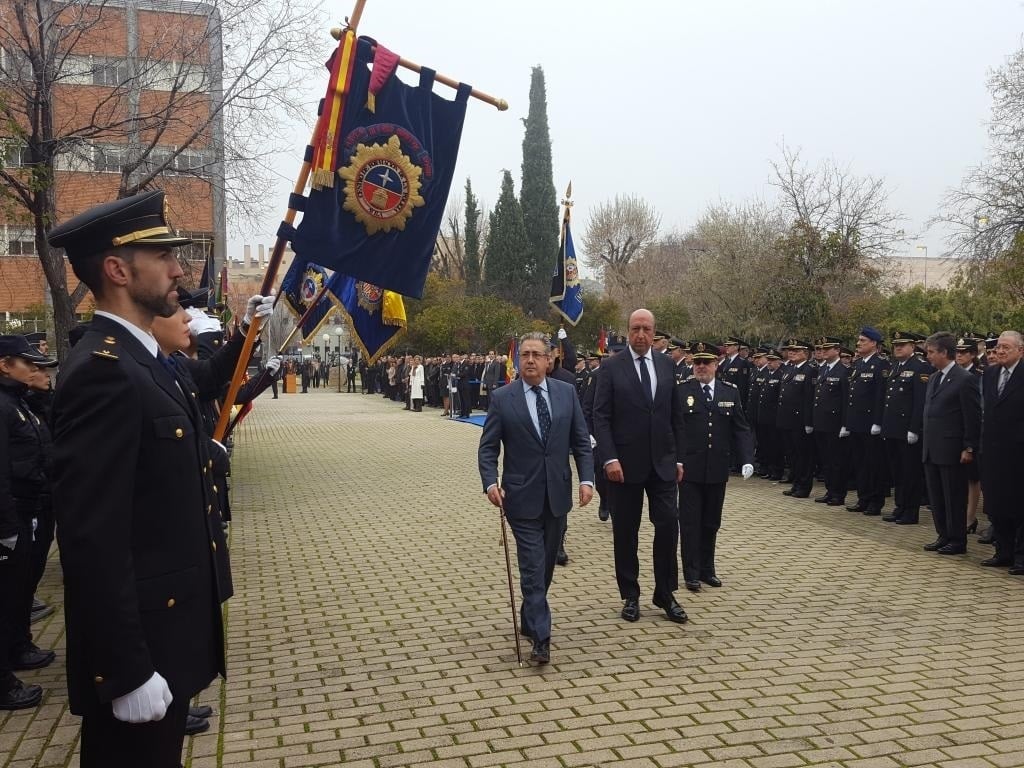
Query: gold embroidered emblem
{"type": "Point", "coordinates": [382, 186]}
{"type": "Point", "coordinates": [105, 353]}
{"type": "Point", "coordinates": [689, 401]}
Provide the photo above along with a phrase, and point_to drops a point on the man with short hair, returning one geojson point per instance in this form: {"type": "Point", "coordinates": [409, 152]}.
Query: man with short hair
{"type": "Point", "coordinates": [795, 418]}
{"type": "Point", "coordinates": [536, 424]}
{"type": "Point", "coordinates": [1003, 426]}
{"type": "Point", "coordinates": [830, 393]}
{"type": "Point", "coordinates": [638, 423]}
{"type": "Point", "coordinates": [144, 631]}
{"type": "Point", "coordinates": [863, 423]}
{"type": "Point", "coordinates": [952, 431]}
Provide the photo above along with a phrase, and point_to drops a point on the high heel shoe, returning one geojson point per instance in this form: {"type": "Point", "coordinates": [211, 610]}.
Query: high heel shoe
{"type": "Point", "coordinates": [973, 527]}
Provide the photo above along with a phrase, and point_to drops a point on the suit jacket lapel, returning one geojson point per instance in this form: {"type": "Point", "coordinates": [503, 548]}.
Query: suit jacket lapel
{"type": "Point", "coordinates": [1012, 384]}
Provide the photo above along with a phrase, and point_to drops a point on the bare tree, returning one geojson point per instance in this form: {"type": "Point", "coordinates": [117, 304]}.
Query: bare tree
{"type": "Point", "coordinates": [617, 232]}
{"type": "Point", "coordinates": [449, 259]}
{"type": "Point", "coordinates": [188, 103]}
{"type": "Point", "coordinates": [986, 212]}
{"type": "Point", "coordinates": [845, 219]}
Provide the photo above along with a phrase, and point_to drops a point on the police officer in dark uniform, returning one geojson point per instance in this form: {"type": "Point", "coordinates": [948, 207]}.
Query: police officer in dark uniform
{"type": "Point", "coordinates": [902, 422]}
{"type": "Point", "coordinates": [677, 348]}
{"type": "Point", "coordinates": [831, 391]}
{"type": "Point", "coordinates": [864, 423]}
{"type": "Point", "coordinates": [769, 437]}
{"type": "Point", "coordinates": [735, 369]}
{"type": "Point", "coordinates": [25, 459]}
{"type": "Point", "coordinates": [587, 401]}
{"type": "Point", "coordinates": [132, 493]}
{"type": "Point", "coordinates": [758, 375]}
{"type": "Point", "coordinates": [795, 417]}
{"type": "Point", "coordinates": [714, 422]}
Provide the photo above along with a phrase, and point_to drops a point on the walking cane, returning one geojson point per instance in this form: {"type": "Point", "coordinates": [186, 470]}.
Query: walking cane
{"type": "Point", "coordinates": [511, 589]}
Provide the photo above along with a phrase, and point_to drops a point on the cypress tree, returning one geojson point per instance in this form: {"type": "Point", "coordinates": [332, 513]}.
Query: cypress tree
{"type": "Point", "coordinates": [508, 248]}
{"type": "Point", "coordinates": [472, 257]}
{"type": "Point", "coordinates": [537, 197]}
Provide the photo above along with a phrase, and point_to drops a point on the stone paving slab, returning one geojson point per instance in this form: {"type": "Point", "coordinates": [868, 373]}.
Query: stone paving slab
{"type": "Point", "coordinates": [371, 627]}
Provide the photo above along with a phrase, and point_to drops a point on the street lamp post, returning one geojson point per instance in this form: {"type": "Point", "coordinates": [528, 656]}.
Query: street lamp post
{"type": "Point", "coordinates": [925, 249]}
{"type": "Point", "coordinates": [327, 357]}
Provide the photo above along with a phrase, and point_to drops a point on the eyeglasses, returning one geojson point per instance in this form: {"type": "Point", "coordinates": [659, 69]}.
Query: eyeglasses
{"type": "Point", "coordinates": [704, 362]}
{"type": "Point", "coordinates": [530, 355]}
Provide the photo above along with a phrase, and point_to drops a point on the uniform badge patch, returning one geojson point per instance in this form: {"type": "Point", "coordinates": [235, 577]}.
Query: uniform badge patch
{"type": "Point", "coordinates": [370, 296]}
{"type": "Point", "coordinates": [799, 377]}
{"type": "Point", "coordinates": [689, 401]}
{"type": "Point", "coordinates": [907, 374]}
{"type": "Point", "coordinates": [382, 186]}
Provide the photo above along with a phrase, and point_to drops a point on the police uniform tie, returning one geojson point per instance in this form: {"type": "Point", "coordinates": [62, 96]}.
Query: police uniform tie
{"type": "Point", "coordinates": [707, 393]}
{"type": "Point", "coordinates": [543, 414]}
{"type": "Point", "coordinates": [168, 365]}
{"type": "Point", "coordinates": [645, 379]}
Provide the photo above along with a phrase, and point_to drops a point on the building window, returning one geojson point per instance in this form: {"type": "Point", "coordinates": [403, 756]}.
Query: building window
{"type": "Point", "coordinates": [14, 65]}
{"type": "Point", "coordinates": [109, 158]}
{"type": "Point", "coordinates": [109, 72]}
{"type": "Point", "coordinates": [17, 241]}
{"type": "Point", "coordinates": [14, 153]}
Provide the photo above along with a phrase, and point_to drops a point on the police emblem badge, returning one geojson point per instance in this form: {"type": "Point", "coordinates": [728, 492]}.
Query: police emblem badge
{"type": "Point", "coordinates": [382, 186]}
{"type": "Point", "coordinates": [369, 296]}
{"type": "Point", "coordinates": [312, 282]}
{"type": "Point", "coordinates": [689, 401]}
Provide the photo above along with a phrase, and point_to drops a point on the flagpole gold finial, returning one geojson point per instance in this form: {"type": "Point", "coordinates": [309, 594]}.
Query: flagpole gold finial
{"type": "Point", "coordinates": [337, 32]}
{"type": "Point", "coordinates": [567, 202]}
{"type": "Point", "coordinates": [502, 105]}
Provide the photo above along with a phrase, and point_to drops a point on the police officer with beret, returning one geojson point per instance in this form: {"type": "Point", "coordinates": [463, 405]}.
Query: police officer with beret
{"type": "Point", "coordinates": [144, 631]}
{"type": "Point", "coordinates": [864, 423]}
{"type": "Point", "coordinates": [714, 422]}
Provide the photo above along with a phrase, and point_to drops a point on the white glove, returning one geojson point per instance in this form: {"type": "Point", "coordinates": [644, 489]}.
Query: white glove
{"type": "Point", "coordinates": [844, 432]}
{"type": "Point", "coordinates": [12, 541]}
{"type": "Point", "coordinates": [258, 306]}
{"type": "Point", "coordinates": [200, 322]}
{"type": "Point", "coordinates": [146, 703]}
{"type": "Point", "coordinates": [911, 438]}
{"type": "Point", "coordinates": [747, 470]}
{"type": "Point", "coordinates": [274, 364]}
{"type": "Point", "coordinates": [593, 442]}
{"type": "Point", "coordinates": [562, 334]}
{"type": "Point", "coordinates": [809, 430]}
{"type": "Point", "coordinates": [876, 429]}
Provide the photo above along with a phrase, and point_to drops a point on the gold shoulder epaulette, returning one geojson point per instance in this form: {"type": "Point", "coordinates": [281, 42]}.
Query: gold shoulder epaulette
{"type": "Point", "coordinates": [104, 353]}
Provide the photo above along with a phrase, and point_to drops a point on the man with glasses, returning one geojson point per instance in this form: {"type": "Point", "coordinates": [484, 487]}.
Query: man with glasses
{"type": "Point", "coordinates": [715, 423]}
{"type": "Point", "coordinates": [638, 423]}
{"type": "Point", "coordinates": [536, 423]}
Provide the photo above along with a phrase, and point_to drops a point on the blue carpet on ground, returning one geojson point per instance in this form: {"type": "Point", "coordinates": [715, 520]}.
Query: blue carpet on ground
{"type": "Point", "coordinates": [478, 420]}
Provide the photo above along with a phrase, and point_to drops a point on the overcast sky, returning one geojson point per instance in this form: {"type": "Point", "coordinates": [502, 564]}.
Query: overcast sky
{"type": "Point", "coordinates": [686, 102]}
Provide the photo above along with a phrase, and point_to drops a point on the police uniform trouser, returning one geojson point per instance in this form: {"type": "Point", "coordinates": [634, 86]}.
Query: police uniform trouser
{"type": "Point", "coordinates": [107, 742]}
{"type": "Point", "coordinates": [15, 601]}
{"type": "Point", "coordinates": [700, 517]}
{"type": "Point", "coordinates": [907, 474]}
{"type": "Point", "coordinates": [832, 454]}
{"type": "Point", "coordinates": [869, 459]}
{"type": "Point", "coordinates": [799, 447]}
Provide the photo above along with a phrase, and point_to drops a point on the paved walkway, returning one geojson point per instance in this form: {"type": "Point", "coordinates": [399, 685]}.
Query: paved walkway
{"type": "Point", "coordinates": [371, 627]}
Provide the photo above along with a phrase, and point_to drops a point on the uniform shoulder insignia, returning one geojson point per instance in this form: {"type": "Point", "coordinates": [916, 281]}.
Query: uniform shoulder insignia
{"type": "Point", "coordinates": [925, 376]}
{"type": "Point", "coordinates": [104, 353]}
{"type": "Point", "coordinates": [109, 340]}
{"type": "Point", "coordinates": [729, 384]}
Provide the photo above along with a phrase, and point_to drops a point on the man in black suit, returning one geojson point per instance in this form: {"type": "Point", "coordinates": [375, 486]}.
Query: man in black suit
{"type": "Point", "coordinates": [952, 427]}
{"type": "Point", "coordinates": [902, 419]}
{"type": "Point", "coordinates": [132, 492]}
{"type": "Point", "coordinates": [536, 423]}
{"type": "Point", "coordinates": [638, 423]}
{"type": "Point", "coordinates": [710, 407]}
{"type": "Point", "coordinates": [1002, 443]}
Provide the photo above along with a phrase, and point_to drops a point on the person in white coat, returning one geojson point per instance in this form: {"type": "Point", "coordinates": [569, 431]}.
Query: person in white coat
{"type": "Point", "coordinates": [417, 383]}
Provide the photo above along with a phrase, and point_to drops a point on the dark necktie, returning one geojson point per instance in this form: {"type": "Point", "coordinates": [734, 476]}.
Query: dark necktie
{"type": "Point", "coordinates": [938, 381]}
{"type": "Point", "coordinates": [1004, 376]}
{"type": "Point", "coordinates": [707, 393]}
{"type": "Point", "coordinates": [543, 414]}
{"type": "Point", "coordinates": [168, 365]}
{"type": "Point", "coordinates": [645, 379]}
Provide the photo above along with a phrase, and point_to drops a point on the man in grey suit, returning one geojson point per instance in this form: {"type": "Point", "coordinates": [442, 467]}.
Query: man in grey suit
{"type": "Point", "coordinates": [952, 430]}
{"type": "Point", "coordinates": [539, 422]}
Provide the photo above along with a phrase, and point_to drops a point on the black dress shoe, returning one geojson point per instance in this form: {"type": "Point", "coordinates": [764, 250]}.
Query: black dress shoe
{"type": "Point", "coordinates": [693, 586]}
{"type": "Point", "coordinates": [836, 503]}
{"type": "Point", "coordinates": [711, 581]}
{"type": "Point", "coordinates": [788, 492]}
{"type": "Point", "coordinates": [800, 494]}
{"type": "Point", "coordinates": [953, 549]}
{"type": "Point", "coordinates": [936, 545]}
{"type": "Point", "coordinates": [40, 610]}
{"type": "Point", "coordinates": [631, 609]}
{"type": "Point", "coordinates": [858, 507]}
{"type": "Point", "coordinates": [602, 512]}
{"type": "Point", "coordinates": [907, 520]}
{"type": "Point", "coordinates": [673, 610]}
{"type": "Point", "coordinates": [893, 518]}
{"type": "Point", "coordinates": [21, 696]}
{"type": "Point", "coordinates": [541, 653]}
{"type": "Point", "coordinates": [203, 711]}
{"type": "Point", "coordinates": [561, 558]}
{"type": "Point", "coordinates": [823, 499]}
{"type": "Point", "coordinates": [32, 658]}
{"type": "Point", "coordinates": [1017, 570]}
{"type": "Point", "coordinates": [194, 725]}
{"type": "Point", "coordinates": [871, 512]}
{"type": "Point", "coordinates": [997, 562]}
